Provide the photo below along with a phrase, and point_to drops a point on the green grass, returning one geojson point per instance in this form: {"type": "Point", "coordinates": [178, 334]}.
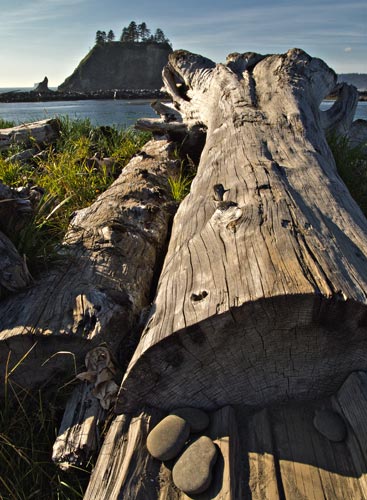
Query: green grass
{"type": "Point", "coordinates": [69, 181]}
{"type": "Point", "coordinates": [180, 181]}
{"type": "Point", "coordinates": [6, 123]}
{"type": "Point", "coordinates": [180, 185]}
{"type": "Point", "coordinates": [28, 427]}
{"type": "Point", "coordinates": [351, 162]}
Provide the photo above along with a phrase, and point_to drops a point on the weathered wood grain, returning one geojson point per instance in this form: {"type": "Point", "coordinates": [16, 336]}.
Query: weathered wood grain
{"type": "Point", "coordinates": [274, 453]}
{"type": "Point", "coordinates": [41, 132]}
{"type": "Point", "coordinates": [352, 400]}
{"type": "Point", "coordinates": [311, 466]}
{"type": "Point", "coordinates": [338, 119]}
{"type": "Point", "coordinates": [288, 458]}
{"type": "Point", "coordinates": [262, 297]}
{"type": "Point", "coordinates": [262, 476]}
{"type": "Point", "coordinates": [78, 436]}
{"type": "Point", "coordinates": [125, 470]}
{"type": "Point", "coordinates": [14, 274]}
{"type": "Point", "coordinates": [227, 478]}
{"type": "Point", "coordinates": [103, 281]}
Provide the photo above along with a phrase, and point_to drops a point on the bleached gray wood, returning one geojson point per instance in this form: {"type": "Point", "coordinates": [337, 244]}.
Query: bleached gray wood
{"type": "Point", "coordinates": [339, 117]}
{"type": "Point", "coordinates": [15, 211]}
{"type": "Point", "coordinates": [352, 400]}
{"type": "Point", "coordinates": [262, 461]}
{"type": "Point", "coordinates": [167, 111]}
{"type": "Point", "coordinates": [310, 466]}
{"type": "Point", "coordinates": [160, 127]}
{"type": "Point", "coordinates": [125, 470]}
{"type": "Point", "coordinates": [14, 274]}
{"type": "Point", "coordinates": [227, 472]}
{"type": "Point", "coordinates": [86, 410]}
{"type": "Point", "coordinates": [78, 436]}
{"type": "Point", "coordinates": [103, 281]}
{"type": "Point", "coordinates": [41, 132]}
{"type": "Point", "coordinates": [264, 299]}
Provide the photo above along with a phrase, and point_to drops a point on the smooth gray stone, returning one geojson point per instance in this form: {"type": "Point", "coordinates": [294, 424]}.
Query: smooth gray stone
{"type": "Point", "coordinates": [192, 473]}
{"type": "Point", "coordinates": [168, 437]}
{"type": "Point", "coordinates": [197, 419]}
{"type": "Point", "coordinates": [330, 424]}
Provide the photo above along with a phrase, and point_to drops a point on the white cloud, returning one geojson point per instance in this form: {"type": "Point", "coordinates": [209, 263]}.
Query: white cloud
{"type": "Point", "coordinates": [348, 49]}
{"type": "Point", "coordinates": [34, 11]}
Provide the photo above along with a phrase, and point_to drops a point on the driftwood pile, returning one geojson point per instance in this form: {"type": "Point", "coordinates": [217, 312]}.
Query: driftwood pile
{"type": "Point", "coordinates": [255, 298]}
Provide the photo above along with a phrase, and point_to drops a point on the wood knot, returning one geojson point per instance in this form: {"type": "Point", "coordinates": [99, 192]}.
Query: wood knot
{"type": "Point", "coordinates": [200, 296]}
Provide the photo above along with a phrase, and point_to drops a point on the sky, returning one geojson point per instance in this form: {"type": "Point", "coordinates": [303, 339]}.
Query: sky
{"type": "Point", "coordinates": [41, 38]}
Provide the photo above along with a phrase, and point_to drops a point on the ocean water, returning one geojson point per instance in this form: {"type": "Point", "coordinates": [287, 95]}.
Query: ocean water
{"type": "Point", "coordinates": [121, 113]}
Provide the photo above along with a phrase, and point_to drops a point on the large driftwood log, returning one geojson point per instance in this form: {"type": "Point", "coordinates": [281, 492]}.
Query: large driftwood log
{"type": "Point", "coordinates": [263, 292]}
{"type": "Point", "coordinates": [41, 132]}
{"type": "Point", "coordinates": [97, 293]}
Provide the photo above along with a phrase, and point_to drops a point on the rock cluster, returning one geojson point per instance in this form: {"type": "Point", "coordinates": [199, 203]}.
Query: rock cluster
{"type": "Point", "coordinates": [195, 456]}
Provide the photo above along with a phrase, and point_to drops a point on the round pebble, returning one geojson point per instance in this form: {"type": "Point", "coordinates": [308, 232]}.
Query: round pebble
{"type": "Point", "coordinates": [330, 424]}
{"type": "Point", "coordinates": [197, 419]}
{"type": "Point", "coordinates": [168, 438]}
{"type": "Point", "coordinates": [192, 473]}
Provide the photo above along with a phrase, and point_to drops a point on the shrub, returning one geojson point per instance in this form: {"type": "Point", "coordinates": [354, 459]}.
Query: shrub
{"type": "Point", "coordinates": [351, 162]}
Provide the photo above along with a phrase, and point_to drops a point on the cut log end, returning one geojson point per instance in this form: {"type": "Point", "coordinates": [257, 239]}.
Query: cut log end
{"type": "Point", "coordinates": [272, 350]}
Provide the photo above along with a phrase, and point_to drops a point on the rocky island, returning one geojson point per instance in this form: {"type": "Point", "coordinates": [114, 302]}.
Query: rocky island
{"type": "Point", "coordinates": [125, 69]}
{"type": "Point", "coordinates": [119, 65]}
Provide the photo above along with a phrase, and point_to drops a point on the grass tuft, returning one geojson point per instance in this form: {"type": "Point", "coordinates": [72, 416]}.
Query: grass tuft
{"type": "Point", "coordinates": [28, 428]}
{"type": "Point", "coordinates": [6, 123]}
{"type": "Point", "coordinates": [70, 181]}
{"type": "Point", "coordinates": [180, 181]}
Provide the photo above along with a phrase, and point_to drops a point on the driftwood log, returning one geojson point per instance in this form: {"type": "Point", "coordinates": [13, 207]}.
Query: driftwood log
{"type": "Point", "coordinates": [262, 295]}
{"type": "Point", "coordinates": [263, 292]}
{"type": "Point", "coordinates": [41, 132]}
{"type": "Point", "coordinates": [103, 282]}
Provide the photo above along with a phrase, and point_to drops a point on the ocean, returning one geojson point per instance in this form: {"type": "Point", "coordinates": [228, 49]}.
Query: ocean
{"type": "Point", "coordinates": [120, 113]}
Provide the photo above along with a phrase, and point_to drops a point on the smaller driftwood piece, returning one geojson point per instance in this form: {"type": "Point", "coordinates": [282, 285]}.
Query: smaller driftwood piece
{"type": "Point", "coordinates": [41, 132]}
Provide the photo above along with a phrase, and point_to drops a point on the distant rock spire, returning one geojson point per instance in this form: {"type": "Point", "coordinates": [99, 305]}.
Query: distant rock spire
{"type": "Point", "coordinates": [42, 86]}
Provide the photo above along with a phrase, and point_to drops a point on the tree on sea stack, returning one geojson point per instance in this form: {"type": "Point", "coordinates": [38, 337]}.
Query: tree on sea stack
{"type": "Point", "coordinates": [110, 36]}
{"type": "Point", "coordinates": [144, 32]}
{"type": "Point", "coordinates": [100, 37]}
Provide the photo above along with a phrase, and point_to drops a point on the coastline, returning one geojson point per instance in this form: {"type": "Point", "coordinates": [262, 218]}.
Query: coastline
{"type": "Point", "coordinates": [33, 96]}
{"type": "Point", "coordinates": [55, 95]}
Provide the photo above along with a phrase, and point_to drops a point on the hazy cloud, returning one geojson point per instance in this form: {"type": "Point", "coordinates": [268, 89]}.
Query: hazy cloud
{"type": "Point", "coordinates": [348, 49]}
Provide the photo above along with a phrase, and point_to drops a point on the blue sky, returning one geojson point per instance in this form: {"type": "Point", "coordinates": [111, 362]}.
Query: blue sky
{"type": "Point", "coordinates": [50, 37]}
